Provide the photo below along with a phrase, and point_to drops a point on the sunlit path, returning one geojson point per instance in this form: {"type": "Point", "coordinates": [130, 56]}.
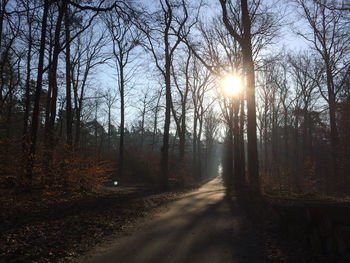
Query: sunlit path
{"type": "Point", "coordinates": [201, 227]}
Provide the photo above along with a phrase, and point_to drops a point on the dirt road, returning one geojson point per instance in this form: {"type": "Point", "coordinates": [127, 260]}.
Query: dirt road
{"type": "Point", "coordinates": [203, 226]}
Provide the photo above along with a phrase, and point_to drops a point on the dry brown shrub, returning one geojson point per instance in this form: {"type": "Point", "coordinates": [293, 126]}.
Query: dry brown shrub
{"type": "Point", "coordinates": [142, 167]}
{"type": "Point", "coordinates": [310, 180]}
{"type": "Point", "coordinates": [11, 165]}
{"type": "Point", "coordinates": [181, 173]}
{"type": "Point", "coordinates": [60, 171]}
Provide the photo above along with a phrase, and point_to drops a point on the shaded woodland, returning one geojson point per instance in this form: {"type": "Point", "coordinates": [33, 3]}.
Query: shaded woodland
{"type": "Point", "coordinates": [108, 108]}
{"type": "Point", "coordinates": [163, 120]}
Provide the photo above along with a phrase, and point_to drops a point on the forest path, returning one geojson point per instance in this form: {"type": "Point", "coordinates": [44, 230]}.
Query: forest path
{"type": "Point", "coordinates": [203, 226]}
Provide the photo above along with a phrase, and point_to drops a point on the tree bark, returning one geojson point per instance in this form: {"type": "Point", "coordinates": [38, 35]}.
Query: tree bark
{"type": "Point", "coordinates": [253, 169]}
{"type": "Point", "coordinates": [236, 147]}
{"type": "Point", "coordinates": [245, 41]}
{"type": "Point", "coordinates": [182, 134]}
{"type": "Point", "coordinates": [35, 118]}
{"type": "Point", "coordinates": [168, 102]}
{"type": "Point", "coordinates": [241, 141]}
{"type": "Point", "coordinates": [228, 167]}
{"type": "Point", "coordinates": [194, 143]}
{"type": "Point", "coordinates": [332, 117]}
{"type": "Point", "coordinates": [27, 93]}
{"type": "Point", "coordinates": [155, 125]}
{"type": "Point", "coordinates": [53, 80]}
{"type": "Point", "coordinates": [69, 117]}
{"type": "Point", "coordinates": [122, 118]}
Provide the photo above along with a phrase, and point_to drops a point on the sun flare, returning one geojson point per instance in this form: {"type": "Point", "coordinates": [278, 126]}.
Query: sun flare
{"type": "Point", "coordinates": [231, 85]}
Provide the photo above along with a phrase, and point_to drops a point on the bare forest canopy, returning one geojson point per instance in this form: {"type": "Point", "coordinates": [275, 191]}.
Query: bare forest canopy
{"type": "Point", "coordinates": [140, 92]}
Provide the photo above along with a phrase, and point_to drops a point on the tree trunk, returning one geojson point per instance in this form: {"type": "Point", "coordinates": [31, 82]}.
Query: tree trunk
{"type": "Point", "coordinates": [143, 124]}
{"type": "Point", "coordinates": [241, 141]}
{"type": "Point", "coordinates": [228, 166]}
{"type": "Point", "coordinates": [304, 142]}
{"type": "Point", "coordinates": [69, 117]}
{"type": "Point", "coordinates": [286, 150]}
{"type": "Point", "coordinates": [199, 152]}
{"type": "Point", "coordinates": [122, 121]}
{"type": "Point", "coordinates": [253, 170]}
{"type": "Point", "coordinates": [194, 145]}
{"type": "Point", "coordinates": [296, 152]}
{"type": "Point", "coordinates": [35, 118]}
{"type": "Point", "coordinates": [2, 13]}
{"type": "Point", "coordinates": [48, 98]}
{"type": "Point", "coordinates": [265, 138]}
{"type": "Point", "coordinates": [109, 129]}
{"type": "Point", "coordinates": [155, 125]}
{"type": "Point", "coordinates": [236, 147]}
{"type": "Point", "coordinates": [165, 147]}
{"type": "Point", "coordinates": [27, 93]}
{"type": "Point", "coordinates": [53, 79]}
{"type": "Point", "coordinates": [182, 135]}
{"type": "Point", "coordinates": [332, 118]}
{"type": "Point", "coordinates": [248, 64]}
{"type": "Point", "coordinates": [80, 107]}
{"type": "Point", "coordinates": [273, 134]}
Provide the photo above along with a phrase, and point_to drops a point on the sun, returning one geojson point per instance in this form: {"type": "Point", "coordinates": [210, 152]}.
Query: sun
{"type": "Point", "coordinates": [231, 85]}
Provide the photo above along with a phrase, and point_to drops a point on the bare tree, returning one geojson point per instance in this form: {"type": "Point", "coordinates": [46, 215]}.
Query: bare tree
{"type": "Point", "coordinates": [258, 26]}
{"type": "Point", "coordinates": [125, 39]}
{"type": "Point", "coordinates": [180, 121]}
{"type": "Point", "coordinates": [329, 38]}
{"type": "Point", "coordinates": [143, 107]}
{"type": "Point", "coordinates": [245, 41]}
{"type": "Point", "coordinates": [9, 31]}
{"type": "Point", "coordinates": [69, 113]}
{"type": "Point", "coordinates": [162, 47]}
{"type": "Point", "coordinates": [156, 107]}
{"type": "Point", "coordinates": [110, 98]}
{"type": "Point", "coordinates": [28, 39]}
{"type": "Point", "coordinates": [302, 67]}
{"type": "Point", "coordinates": [211, 126]}
{"type": "Point", "coordinates": [342, 5]}
{"type": "Point", "coordinates": [87, 54]}
{"type": "Point", "coordinates": [40, 70]}
{"type": "Point", "coordinates": [199, 87]}
{"type": "Point", "coordinates": [51, 100]}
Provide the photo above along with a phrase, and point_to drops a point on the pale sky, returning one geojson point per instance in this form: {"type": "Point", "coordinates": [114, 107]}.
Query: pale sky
{"type": "Point", "coordinates": [145, 76]}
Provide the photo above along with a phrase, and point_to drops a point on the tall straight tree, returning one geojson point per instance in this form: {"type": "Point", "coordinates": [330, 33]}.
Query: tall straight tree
{"type": "Point", "coordinates": [245, 41]}
{"type": "Point", "coordinates": [302, 66]}
{"type": "Point", "coordinates": [87, 54]}
{"type": "Point", "coordinates": [124, 39]}
{"type": "Point", "coordinates": [168, 27]}
{"type": "Point", "coordinates": [226, 106]}
{"type": "Point", "coordinates": [180, 120]}
{"type": "Point", "coordinates": [200, 86]}
{"type": "Point", "coordinates": [254, 26]}
{"type": "Point", "coordinates": [69, 117]}
{"type": "Point", "coordinates": [29, 41]}
{"type": "Point", "coordinates": [38, 88]}
{"type": "Point", "coordinates": [211, 128]}
{"type": "Point", "coordinates": [53, 88]}
{"type": "Point", "coordinates": [330, 39]}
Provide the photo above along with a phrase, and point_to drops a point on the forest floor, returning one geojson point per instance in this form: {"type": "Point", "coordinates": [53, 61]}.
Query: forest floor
{"type": "Point", "coordinates": [204, 225]}
{"type": "Point", "coordinates": [40, 228]}
{"type": "Point", "coordinates": [135, 224]}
